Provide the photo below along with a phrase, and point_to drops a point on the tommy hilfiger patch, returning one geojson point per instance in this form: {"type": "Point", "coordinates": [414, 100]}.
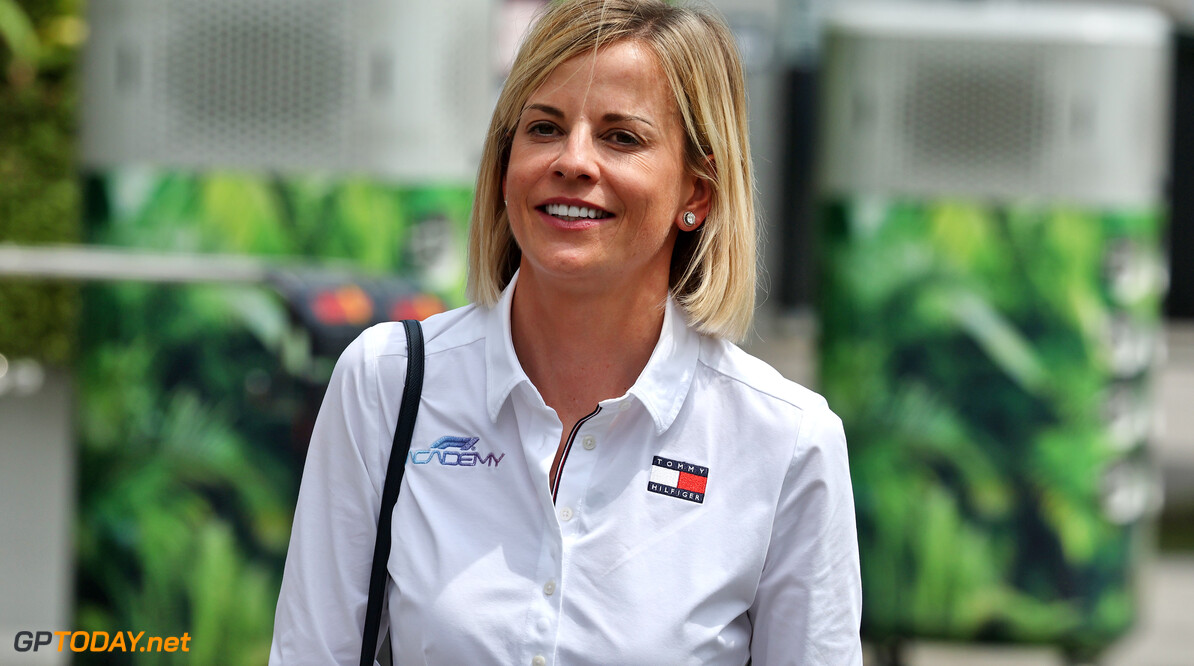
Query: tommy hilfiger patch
{"type": "Point", "coordinates": [678, 479]}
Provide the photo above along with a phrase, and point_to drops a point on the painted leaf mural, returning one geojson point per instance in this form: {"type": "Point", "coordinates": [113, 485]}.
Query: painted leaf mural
{"type": "Point", "coordinates": [992, 366]}
{"type": "Point", "coordinates": [195, 402]}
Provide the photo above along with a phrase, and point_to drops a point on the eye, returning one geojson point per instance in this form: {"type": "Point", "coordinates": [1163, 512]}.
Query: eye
{"type": "Point", "coordinates": [542, 128]}
{"type": "Point", "coordinates": [624, 138]}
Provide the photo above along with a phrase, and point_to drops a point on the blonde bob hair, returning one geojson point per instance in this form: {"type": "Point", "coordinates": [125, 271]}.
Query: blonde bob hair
{"type": "Point", "coordinates": [713, 268]}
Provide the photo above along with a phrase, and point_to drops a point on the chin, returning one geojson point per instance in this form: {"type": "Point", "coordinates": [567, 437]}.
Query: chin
{"type": "Point", "coordinates": [568, 265]}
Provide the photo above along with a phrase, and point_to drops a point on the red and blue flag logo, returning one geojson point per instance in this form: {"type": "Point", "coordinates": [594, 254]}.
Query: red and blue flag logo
{"type": "Point", "coordinates": [679, 479]}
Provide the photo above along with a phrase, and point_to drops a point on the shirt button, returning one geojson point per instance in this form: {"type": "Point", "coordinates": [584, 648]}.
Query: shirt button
{"type": "Point", "coordinates": [565, 514]}
{"type": "Point", "coordinates": [538, 661]}
{"type": "Point", "coordinates": [589, 442]}
{"type": "Point", "coordinates": [549, 588]}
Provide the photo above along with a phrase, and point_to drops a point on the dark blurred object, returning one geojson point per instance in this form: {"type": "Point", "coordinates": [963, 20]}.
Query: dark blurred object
{"type": "Point", "coordinates": [1180, 303]}
{"type": "Point", "coordinates": [334, 309]}
{"type": "Point", "coordinates": [797, 271]}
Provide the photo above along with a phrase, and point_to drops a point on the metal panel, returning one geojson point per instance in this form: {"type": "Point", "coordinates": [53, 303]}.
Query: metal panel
{"type": "Point", "coordinates": [399, 89]}
{"type": "Point", "coordinates": [967, 105]}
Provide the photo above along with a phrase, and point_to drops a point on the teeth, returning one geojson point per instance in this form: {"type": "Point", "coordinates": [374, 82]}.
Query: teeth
{"type": "Point", "coordinates": [561, 210]}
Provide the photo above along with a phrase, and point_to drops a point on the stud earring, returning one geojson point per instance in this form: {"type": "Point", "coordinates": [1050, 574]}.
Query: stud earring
{"type": "Point", "coordinates": [689, 218]}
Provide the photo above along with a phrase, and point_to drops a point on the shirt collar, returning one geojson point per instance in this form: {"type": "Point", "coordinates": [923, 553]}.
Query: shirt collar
{"type": "Point", "coordinates": [502, 370]}
{"type": "Point", "coordinates": [661, 388]}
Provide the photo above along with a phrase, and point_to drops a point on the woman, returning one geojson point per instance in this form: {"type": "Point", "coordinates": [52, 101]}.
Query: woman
{"type": "Point", "coordinates": [597, 476]}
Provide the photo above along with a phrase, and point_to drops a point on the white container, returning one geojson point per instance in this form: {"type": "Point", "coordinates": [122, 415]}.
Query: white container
{"type": "Point", "coordinates": [384, 87]}
{"type": "Point", "coordinates": [1063, 102]}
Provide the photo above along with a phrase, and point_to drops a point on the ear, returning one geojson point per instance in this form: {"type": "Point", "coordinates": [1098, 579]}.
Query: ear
{"type": "Point", "coordinates": [699, 200]}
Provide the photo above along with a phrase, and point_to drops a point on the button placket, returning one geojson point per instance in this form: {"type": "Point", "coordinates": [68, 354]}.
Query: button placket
{"type": "Point", "coordinates": [566, 513]}
{"type": "Point", "coordinates": [574, 483]}
{"type": "Point", "coordinates": [544, 614]}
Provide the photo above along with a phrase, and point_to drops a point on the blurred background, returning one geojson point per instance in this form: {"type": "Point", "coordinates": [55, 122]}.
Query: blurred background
{"type": "Point", "coordinates": [974, 219]}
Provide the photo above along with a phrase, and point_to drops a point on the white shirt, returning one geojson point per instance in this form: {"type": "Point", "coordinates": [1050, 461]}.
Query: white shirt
{"type": "Point", "coordinates": [629, 565]}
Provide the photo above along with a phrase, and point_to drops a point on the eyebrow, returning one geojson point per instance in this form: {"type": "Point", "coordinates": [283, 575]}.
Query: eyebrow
{"type": "Point", "coordinates": [620, 117]}
{"type": "Point", "coordinates": [549, 110]}
{"type": "Point", "coordinates": [609, 117]}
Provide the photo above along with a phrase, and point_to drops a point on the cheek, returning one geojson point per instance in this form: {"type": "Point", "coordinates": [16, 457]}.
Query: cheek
{"type": "Point", "coordinates": [651, 230]}
{"type": "Point", "coordinates": [518, 169]}
{"type": "Point", "coordinates": [658, 195]}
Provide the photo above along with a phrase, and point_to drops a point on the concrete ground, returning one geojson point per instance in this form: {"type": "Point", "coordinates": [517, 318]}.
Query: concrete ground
{"type": "Point", "coordinates": [1165, 633]}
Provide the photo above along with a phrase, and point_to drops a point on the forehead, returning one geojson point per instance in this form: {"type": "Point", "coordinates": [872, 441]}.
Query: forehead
{"type": "Point", "coordinates": [621, 77]}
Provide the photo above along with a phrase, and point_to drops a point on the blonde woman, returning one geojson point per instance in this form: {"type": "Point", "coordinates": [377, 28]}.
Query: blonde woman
{"type": "Point", "coordinates": [597, 474]}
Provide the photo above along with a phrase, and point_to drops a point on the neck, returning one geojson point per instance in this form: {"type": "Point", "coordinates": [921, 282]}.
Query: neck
{"type": "Point", "coordinates": [579, 348]}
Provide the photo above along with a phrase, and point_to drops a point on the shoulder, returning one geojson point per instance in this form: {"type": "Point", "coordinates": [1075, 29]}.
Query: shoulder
{"type": "Point", "coordinates": [441, 332]}
{"type": "Point", "coordinates": [755, 376]}
{"type": "Point", "coordinates": [794, 413]}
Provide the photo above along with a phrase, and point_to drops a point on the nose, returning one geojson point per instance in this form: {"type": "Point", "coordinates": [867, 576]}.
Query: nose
{"type": "Point", "coordinates": [577, 158]}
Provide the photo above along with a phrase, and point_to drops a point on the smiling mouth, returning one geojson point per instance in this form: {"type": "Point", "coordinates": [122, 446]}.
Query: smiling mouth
{"type": "Point", "coordinates": [574, 213]}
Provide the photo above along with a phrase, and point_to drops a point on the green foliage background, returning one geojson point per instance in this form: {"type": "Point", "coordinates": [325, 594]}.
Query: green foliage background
{"type": "Point", "coordinates": [971, 351]}
{"type": "Point", "coordinates": [195, 402]}
{"type": "Point", "coordinates": [39, 199]}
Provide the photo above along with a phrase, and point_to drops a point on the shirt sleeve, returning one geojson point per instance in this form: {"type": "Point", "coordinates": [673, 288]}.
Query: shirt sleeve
{"type": "Point", "coordinates": [321, 607]}
{"type": "Point", "coordinates": [808, 606]}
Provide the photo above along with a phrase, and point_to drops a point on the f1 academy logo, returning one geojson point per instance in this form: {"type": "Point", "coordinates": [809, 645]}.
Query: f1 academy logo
{"type": "Point", "coordinates": [451, 451]}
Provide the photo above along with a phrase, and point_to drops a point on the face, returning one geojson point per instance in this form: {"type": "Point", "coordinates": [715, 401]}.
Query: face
{"type": "Point", "coordinates": [596, 185]}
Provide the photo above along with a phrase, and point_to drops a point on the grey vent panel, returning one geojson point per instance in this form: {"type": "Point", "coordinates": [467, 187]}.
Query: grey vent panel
{"type": "Point", "coordinates": [368, 85]}
{"type": "Point", "coordinates": [1001, 115]}
{"type": "Point", "coordinates": [987, 111]}
{"type": "Point", "coordinates": [279, 82]}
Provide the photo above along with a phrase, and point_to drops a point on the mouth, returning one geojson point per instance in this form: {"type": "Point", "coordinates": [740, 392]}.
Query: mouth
{"type": "Point", "coordinates": [569, 213]}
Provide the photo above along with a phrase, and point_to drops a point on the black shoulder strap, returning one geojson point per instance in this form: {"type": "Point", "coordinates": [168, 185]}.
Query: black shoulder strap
{"type": "Point", "coordinates": [398, 452]}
